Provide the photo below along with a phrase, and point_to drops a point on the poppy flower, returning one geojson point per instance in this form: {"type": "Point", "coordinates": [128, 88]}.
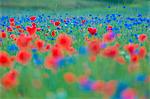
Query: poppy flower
{"type": "Point", "coordinates": [57, 23]}
{"type": "Point", "coordinates": [71, 50]}
{"type": "Point", "coordinates": [39, 44]}
{"type": "Point", "coordinates": [111, 51]}
{"type": "Point", "coordinates": [65, 21]}
{"type": "Point", "coordinates": [120, 60]}
{"type": "Point", "coordinates": [83, 21]}
{"type": "Point", "coordinates": [31, 30]}
{"type": "Point", "coordinates": [69, 77]}
{"type": "Point", "coordinates": [134, 58]}
{"type": "Point", "coordinates": [48, 27]}
{"type": "Point", "coordinates": [23, 41]}
{"type": "Point", "coordinates": [50, 62]}
{"type": "Point", "coordinates": [109, 27]}
{"type": "Point", "coordinates": [53, 33]}
{"type": "Point", "coordinates": [32, 18]}
{"type": "Point", "coordinates": [9, 29]}
{"type": "Point", "coordinates": [109, 37]}
{"type": "Point", "coordinates": [3, 35]}
{"type": "Point", "coordinates": [92, 31]}
{"type": "Point", "coordinates": [83, 80]}
{"type": "Point", "coordinates": [47, 47]}
{"type": "Point", "coordinates": [11, 20]}
{"type": "Point", "coordinates": [23, 57]}
{"type": "Point", "coordinates": [110, 88]}
{"type": "Point", "coordinates": [98, 86]}
{"type": "Point", "coordinates": [64, 41]}
{"type": "Point", "coordinates": [92, 58]}
{"type": "Point", "coordinates": [142, 37]}
{"type": "Point", "coordinates": [56, 52]}
{"type": "Point", "coordinates": [128, 94]}
{"type": "Point", "coordinates": [39, 29]}
{"type": "Point", "coordinates": [18, 26]}
{"type": "Point", "coordinates": [33, 24]}
{"type": "Point", "coordinates": [12, 36]}
{"type": "Point", "coordinates": [142, 52]}
{"type": "Point", "coordinates": [5, 60]}
{"type": "Point", "coordinates": [12, 24]}
{"type": "Point", "coordinates": [9, 80]}
{"type": "Point", "coordinates": [130, 48]}
{"type": "Point", "coordinates": [94, 46]}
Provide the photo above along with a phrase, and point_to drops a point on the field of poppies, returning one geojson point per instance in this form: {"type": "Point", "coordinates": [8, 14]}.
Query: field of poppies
{"type": "Point", "coordinates": [103, 54]}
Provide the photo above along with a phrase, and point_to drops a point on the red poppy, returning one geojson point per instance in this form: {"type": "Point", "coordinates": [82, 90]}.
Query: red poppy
{"type": "Point", "coordinates": [56, 52]}
{"type": "Point", "coordinates": [83, 80]}
{"type": "Point", "coordinates": [57, 23]}
{"type": "Point", "coordinates": [109, 37]}
{"type": "Point", "coordinates": [32, 18]}
{"type": "Point", "coordinates": [71, 50]}
{"type": "Point", "coordinates": [111, 51]}
{"type": "Point", "coordinates": [50, 62]}
{"type": "Point", "coordinates": [53, 33]}
{"type": "Point", "coordinates": [110, 88]}
{"type": "Point", "coordinates": [12, 24]}
{"type": "Point", "coordinates": [48, 27]}
{"type": "Point", "coordinates": [64, 40]}
{"type": "Point", "coordinates": [21, 31]}
{"type": "Point", "coordinates": [11, 20]}
{"type": "Point", "coordinates": [98, 86]}
{"type": "Point", "coordinates": [31, 30]}
{"type": "Point", "coordinates": [33, 24]}
{"type": "Point", "coordinates": [120, 59]}
{"type": "Point", "coordinates": [23, 41]}
{"type": "Point", "coordinates": [9, 80]}
{"type": "Point", "coordinates": [92, 31]}
{"type": "Point", "coordinates": [83, 21]}
{"type": "Point", "coordinates": [12, 36]}
{"type": "Point", "coordinates": [23, 57]}
{"type": "Point", "coordinates": [39, 44]}
{"type": "Point", "coordinates": [48, 46]}
{"type": "Point", "coordinates": [134, 58]}
{"type": "Point", "coordinates": [65, 21]}
{"type": "Point", "coordinates": [9, 29]}
{"type": "Point", "coordinates": [128, 94]}
{"type": "Point", "coordinates": [3, 35]}
{"type": "Point", "coordinates": [5, 60]}
{"type": "Point", "coordinates": [18, 26]}
{"type": "Point", "coordinates": [94, 46]}
{"type": "Point", "coordinates": [92, 58]}
{"type": "Point", "coordinates": [39, 29]}
{"type": "Point", "coordinates": [142, 52]}
{"type": "Point", "coordinates": [130, 48]}
{"type": "Point", "coordinates": [142, 37]}
{"type": "Point", "coordinates": [69, 77]}
{"type": "Point", "coordinates": [109, 27]}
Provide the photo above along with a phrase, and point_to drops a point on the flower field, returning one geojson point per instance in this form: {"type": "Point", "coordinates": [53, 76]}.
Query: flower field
{"type": "Point", "coordinates": [80, 56]}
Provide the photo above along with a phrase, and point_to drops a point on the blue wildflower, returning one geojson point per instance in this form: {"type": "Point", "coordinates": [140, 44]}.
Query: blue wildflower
{"type": "Point", "coordinates": [12, 48]}
{"type": "Point", "coordinates": [38, 61]}
{"type": "Point", "coordinates": [82, 50]}
{"type": "Point", "coordinates": [140, 77]}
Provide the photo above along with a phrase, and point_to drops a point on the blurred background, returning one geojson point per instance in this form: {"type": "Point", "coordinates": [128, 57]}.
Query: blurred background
{"type": "Point", "coordinates": [69, 4]}
{"type": "Point", "coordinates": [20, 7]}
